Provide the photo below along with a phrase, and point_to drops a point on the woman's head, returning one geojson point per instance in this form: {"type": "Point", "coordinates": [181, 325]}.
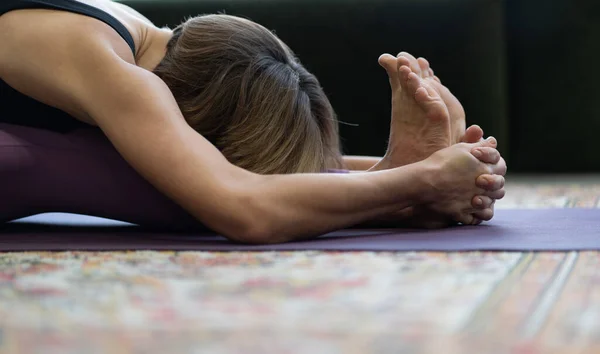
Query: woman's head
{"type": "Point", "coordinates": [240, 87]}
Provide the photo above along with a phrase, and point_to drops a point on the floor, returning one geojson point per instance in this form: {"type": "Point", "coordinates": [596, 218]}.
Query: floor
{"type": "Point", "coordinates": [311, 302]}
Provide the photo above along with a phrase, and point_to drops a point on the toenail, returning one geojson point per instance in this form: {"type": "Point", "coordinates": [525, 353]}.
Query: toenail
{"type": "Point", "coordinates": [478, 202]}
{"type": "Point", "coordinates": [477, 153]}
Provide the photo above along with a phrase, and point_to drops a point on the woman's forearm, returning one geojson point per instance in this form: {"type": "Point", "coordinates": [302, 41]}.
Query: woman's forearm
{"type": "Point", "coordinates": [281, 208]}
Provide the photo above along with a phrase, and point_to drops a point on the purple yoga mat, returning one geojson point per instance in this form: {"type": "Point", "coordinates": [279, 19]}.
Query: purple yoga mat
{"type": "Point", "coordinates": [511, 230]}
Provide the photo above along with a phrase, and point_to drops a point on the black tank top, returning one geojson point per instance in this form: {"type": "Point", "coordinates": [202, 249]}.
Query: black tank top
{"type": "Point", "coordinates": [17, 108]}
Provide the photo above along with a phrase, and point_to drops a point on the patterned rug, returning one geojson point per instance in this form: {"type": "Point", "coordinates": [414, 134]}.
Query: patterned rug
{"type": "Point", "coordinates": [311, 302]}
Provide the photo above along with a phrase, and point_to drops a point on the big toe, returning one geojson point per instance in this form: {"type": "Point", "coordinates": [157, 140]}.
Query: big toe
{"type": "Point", "coordinates": [389, 63]}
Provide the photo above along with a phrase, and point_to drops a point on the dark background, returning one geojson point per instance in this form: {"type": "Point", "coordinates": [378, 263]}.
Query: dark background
{"type": "Point", "coordinates": [525, 70]}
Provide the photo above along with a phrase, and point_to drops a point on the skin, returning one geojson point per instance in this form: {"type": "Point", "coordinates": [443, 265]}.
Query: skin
{"type": "Point", "coordinates": [92, 75]}
{"type": "Point", "coordinates": [417, 131]}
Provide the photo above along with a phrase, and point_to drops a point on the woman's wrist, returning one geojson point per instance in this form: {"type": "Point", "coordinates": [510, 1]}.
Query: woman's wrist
{"type": "Point", "coordinates": [406, 186]}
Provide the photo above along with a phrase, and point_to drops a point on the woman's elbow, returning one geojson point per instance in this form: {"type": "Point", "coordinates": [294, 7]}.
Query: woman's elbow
{"type": "Point", "coordinates": [251, 231]}
{"type": "Point", "coordinates": [256, 233]}
{"type": "Point", "coordinates": [244, 217]}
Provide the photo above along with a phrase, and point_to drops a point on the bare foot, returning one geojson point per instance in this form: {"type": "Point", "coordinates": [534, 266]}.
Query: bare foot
{"type": "Point", "coordinates": [420, 119]}
{"type": "Point", "coordinates": [458, 134]}
{"type": "Point", "coordinates": [422, 68]}
{"type": "Point", "coordinates": [426, 117]}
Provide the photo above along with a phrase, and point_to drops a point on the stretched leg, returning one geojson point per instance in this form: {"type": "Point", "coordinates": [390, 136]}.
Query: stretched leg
{"type": "Point", "coordinates": [79, 172]}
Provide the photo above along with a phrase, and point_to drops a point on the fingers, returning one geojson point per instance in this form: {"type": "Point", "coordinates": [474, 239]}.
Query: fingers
{"type": "Point", "coordinates": [465, 219]}
{"type": "Point", "coordinates": [489, 142]}
{"type": "Point", "coordinates": [486, 154]}
{"type": "Point", "coordinates": [496, 194]}
{"type": "Point", "coordinates": [484, 215]}
{"type": "Point", "coordinates": [490, 182]}
{"type": "Point", "coordinates": [481, 202]}
{"type": "Point", "coordinates": [500, 167]}
{"type": "Point", "coordinates": [476, 217]}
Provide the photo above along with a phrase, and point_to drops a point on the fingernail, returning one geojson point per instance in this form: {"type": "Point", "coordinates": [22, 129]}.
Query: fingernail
{"type": "Point", "coordinates": [477, 153]}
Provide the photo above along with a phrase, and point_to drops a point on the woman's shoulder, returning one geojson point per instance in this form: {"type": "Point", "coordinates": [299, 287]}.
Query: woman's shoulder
{"type": "Point", "coordinates": [53, 30]}
{"type": "Point", "coordinates": [47, 57]}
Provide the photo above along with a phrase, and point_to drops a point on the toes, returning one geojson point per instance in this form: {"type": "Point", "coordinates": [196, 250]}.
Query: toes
{"type": "Point", "coordinates": [472, 135]}
{"type": "Point", "coordinates": [421, 95]}
{"type": "Point", "coordinates": [428, 99]}
{"type": "Point", "coordinates": [404, 74]}
{"type": "Point", "coordinates": [402, 61]}
{"type": "Point", "coordinates": [424, 65]}
{"type": "Point", "coordinates": [481, 202]}
{"type": "Point", "coordinates": [490, 183]}
{"type": "Point", "coordinates": [388, 62]}
{"type": "Point", "coordinates": [423, 92]}
{"type": "Point", "coordinates": [436, 78]}
{"type": "Point", "coordinates": [486, 154]}
{"type": "Point", "coordinates": [413, 83]}
{"type": "Point", "coordinates": [414, 65]}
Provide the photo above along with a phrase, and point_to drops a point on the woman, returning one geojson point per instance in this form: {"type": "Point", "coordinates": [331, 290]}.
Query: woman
{"type": "Point", "coordinates": [218, 116]}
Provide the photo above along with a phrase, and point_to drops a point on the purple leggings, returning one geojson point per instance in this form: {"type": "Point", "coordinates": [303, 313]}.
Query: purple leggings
{"type": "Point", "coordinates": [79, 172]}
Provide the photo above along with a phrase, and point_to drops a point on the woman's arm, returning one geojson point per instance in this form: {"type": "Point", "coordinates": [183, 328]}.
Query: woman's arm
{"type": "Point", "coordinates": [139, 115]}
{"type": "Point", "coordinates": [85, 75]}
{"type": "Point", "coordinates": [137, 112]}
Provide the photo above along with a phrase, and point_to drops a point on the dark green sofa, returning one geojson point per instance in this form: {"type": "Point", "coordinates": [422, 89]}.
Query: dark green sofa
{"type": "Point", "coordinates": [523, 69]}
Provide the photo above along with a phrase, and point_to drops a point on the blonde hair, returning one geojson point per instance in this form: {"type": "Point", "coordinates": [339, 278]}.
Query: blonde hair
{"type": "Point", "coordinates": [244, 90]}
